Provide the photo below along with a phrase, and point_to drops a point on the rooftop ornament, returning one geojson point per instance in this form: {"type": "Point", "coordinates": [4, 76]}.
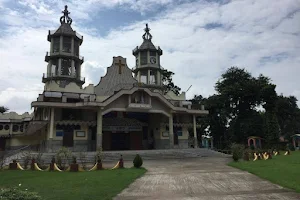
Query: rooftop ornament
{"type": "Point", "coordinates": [147, 35]}
{"type": "Point", "coordinates": [66, 18]}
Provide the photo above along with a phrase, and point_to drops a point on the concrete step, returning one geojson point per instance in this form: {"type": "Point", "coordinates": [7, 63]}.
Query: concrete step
{"type": "Point", "coordinates": [89, 157]}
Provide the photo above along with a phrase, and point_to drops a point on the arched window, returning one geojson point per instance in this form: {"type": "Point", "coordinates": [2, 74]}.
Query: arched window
{"type": "Point", "coordinates": [15, 128]}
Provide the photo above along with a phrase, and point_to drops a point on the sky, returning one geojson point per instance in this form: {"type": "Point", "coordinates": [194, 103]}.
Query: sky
{"type": "Point", "coordinates": [200, 40]}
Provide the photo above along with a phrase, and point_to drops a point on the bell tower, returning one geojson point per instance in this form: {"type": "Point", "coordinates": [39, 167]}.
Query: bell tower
{"type": "Point", "coordinates": [148, 70]}
{"type": "Point", "coordinates": [64, 61]}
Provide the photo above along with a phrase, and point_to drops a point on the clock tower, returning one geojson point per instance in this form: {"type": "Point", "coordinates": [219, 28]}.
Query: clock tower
{"type": "Point", "coordinates": [148, 70]}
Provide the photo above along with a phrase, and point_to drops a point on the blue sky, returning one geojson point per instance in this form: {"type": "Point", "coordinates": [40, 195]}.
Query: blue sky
{"type": "Point", "coordinates": [200, 40]}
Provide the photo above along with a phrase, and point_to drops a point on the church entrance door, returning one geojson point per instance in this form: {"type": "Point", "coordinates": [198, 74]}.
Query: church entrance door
{"type": "Point", "coordinates": [120, 141]}
{"type": "Point", "coordinates": [68, 140]}
{"type": "Point", "coordinates": [2, 144]}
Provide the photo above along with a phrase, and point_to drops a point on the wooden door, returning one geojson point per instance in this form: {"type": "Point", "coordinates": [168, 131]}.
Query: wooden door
{"type": "Point", "coordinates": [68, 140]}
{"type": "Point", "coordinates": [2, 144]}
{"type": "Point", "coordinates": [136, 140]}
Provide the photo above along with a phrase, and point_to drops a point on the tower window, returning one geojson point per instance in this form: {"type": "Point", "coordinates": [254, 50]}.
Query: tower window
{"type": "Point", "coordinates": [152, 53]}
{"type": "Point", "coordinates": [67, 44]}
{"type": "Point", "coordinates": [77, 69]}
{"type": "Point", "coordinates": [54, 67]}
{"type": "Point", "coordinates": [153, 77]}
{"type": "Point", "coordinates": [144, 58]}
{"type": "Point", "coordinates": [76, 47]}
{"type": "Point", "coordinates": [144, 75]}
{"type": "Point", "coordinates": [66, 67]}
{"type": "Point", "coordinates": [56, 44]}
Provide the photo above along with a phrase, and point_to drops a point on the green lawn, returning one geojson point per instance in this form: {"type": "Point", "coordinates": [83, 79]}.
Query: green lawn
{"type": "Point", "coordinates": [104, 184]}
{"type": "Point", "coordinates": [282, 170]}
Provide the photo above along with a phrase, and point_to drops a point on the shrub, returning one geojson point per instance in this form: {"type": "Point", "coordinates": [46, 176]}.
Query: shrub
{"type": "Point", "coordinates": [18, 194]}
{"type": "Point", "coordinates": [62, 157]}
{"type": "Point", "coordinates": [237, 151]}
{"type": "Point", "coordinates": [138, 161]}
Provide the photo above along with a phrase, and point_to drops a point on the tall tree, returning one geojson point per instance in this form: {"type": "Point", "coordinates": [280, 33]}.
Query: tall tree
{"type": "Point", "coordinates": [167, 80]}
{"type": "Point", "coordinates": [288, 115]}
{"type": "Point", "coordinates": [3, 109]}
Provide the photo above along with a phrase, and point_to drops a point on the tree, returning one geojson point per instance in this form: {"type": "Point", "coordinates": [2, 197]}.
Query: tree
{"type": "Point", "coordinates": [3, 109]}
{"type": "Point", "coordinates": [288, 115]}
{"type": "Point", "coordinates": [242, 94]}
{"type": "Point", "coordinates": [168, 82]}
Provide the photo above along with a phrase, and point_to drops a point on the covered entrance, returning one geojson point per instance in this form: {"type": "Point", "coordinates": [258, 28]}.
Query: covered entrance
{"type": "Point", "coordinates": [122, 133]}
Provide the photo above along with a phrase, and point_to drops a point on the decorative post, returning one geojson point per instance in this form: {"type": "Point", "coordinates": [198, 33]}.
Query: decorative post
{"type": "Point", "coordinates": [195, 131]}
{"type": "Point", "coordinates": [99, 128]}
{"type": "Point", "coordinates": [121, 162]}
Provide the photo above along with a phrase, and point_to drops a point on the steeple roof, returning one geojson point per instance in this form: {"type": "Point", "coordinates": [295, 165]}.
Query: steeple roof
{"type": "Point", "coordinates": [65, 27]}
{"type": "Point", "coordinates": [147, 43]}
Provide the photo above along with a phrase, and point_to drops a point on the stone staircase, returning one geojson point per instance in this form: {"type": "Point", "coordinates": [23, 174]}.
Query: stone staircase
{"type": "Point", "coordinates": [113, 156]}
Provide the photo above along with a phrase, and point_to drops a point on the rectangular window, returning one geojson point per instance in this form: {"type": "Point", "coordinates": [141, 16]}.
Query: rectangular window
{"type": "Point", "coordinates": [56, 41]}
{"type": "Point", "coordinates": [144, 75]}
{"type": "Point", "coordinates": [54, 67]}
{"type": "Point", "coordinates": [153, 75]}
{"type": "Point", "coordinates": [152, 53]}
{"type": "Point", "coordinates": [144, 58]}
{"type": "Point", "coordinates": [66, 67]}
{"type": "Point", "coordinates": [76, 47]}
{"type": "Point", "coordinates": [67, 44]}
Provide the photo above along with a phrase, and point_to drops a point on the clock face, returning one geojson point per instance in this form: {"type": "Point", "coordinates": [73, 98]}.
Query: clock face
{"type": "Point", "coordinates": [152, 60]}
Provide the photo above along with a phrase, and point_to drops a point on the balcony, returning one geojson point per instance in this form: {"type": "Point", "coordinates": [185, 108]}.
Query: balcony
{"type": "Point", "coordinates": [140, 105]}
{"type": "Point", "coordinates": [60, 54]}
{"type": "Point", "coordinates": [147, 66]}
{"type": "Point", "coordinates": [52, 32]}
{"type": "Point", "coordinates": [52, 76]}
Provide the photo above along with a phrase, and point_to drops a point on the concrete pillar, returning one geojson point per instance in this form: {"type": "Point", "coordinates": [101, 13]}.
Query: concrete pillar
{"type": "Point", "coordinates": [10, 128]}
{"type": "Point", "coordinates": [99, 128]}
{"type": "Point", "coordinates": [139, 76]}
{"type": "Point", "coordinates": [51, 46]}
{"type": "Point", "coordinates": [195, 131]}
{"type": "Point", "coordinates": [51, 124]}
{"type": "Point", "coordinates": [72, 46]}
{"type": "Point", "coordinates": [148, 77]}
{"type": "Point", "coordinates": [171, 132]}
{"type": "Point", "coordinates": [59, 67]}
{"type": "Point", "coordinates": [73, 68]}
{"type": "Point", "coordinates": [60, 43]}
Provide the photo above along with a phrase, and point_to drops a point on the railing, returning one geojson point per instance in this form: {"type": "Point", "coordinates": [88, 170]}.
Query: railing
{"type": "Point", "coordinates": [51, 32]}
{"type": "Point", "coordinates": [63, 53]}
{"type": "Point", "coordinates": [52, 75]}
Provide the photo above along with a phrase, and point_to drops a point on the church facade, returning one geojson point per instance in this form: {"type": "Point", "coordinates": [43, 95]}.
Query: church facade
{"type": "Point", "coordinates": [129, 109]}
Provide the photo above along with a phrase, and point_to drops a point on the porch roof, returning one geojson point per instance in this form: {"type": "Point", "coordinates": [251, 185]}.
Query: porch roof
{"type": "Point", "coordinates": [35, 126]}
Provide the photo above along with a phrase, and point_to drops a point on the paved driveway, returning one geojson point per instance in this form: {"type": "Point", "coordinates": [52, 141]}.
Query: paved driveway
{"type": "Point", "coordinates": [201, 179]}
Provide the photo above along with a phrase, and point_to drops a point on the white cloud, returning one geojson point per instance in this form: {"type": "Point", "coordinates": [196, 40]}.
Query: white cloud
{"type": "Point", "coordinates": [246, 33]}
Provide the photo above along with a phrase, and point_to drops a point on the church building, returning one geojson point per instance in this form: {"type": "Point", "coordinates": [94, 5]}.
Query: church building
{"type": "Point", "coordinates": [129, 109]}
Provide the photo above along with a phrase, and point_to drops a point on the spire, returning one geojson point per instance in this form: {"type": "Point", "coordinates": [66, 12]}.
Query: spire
{"type": "Point", "coordinates": [65, 18]}
{"type": "Point", "coordinates": [147, 35]}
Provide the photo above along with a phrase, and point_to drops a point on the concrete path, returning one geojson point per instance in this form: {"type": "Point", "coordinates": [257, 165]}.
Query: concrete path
{"type": "Point", "coordinates": [201, 179]}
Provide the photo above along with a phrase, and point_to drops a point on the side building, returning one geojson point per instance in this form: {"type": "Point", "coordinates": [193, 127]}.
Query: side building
{"type": "Point", "coordinates": [122, 112]}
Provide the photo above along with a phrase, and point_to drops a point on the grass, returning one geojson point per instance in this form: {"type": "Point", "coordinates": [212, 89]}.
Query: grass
{"type": "Point", "coordinates": [282, 170]}
{"type": "Point", "coordinates": [104, 184]}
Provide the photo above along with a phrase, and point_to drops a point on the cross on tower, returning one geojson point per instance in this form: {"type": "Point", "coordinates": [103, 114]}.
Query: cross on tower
{"type": "Point", "coordinates": [120, 66]}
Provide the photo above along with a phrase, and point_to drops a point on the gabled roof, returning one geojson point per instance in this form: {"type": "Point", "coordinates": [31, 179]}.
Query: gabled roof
{"type": "Point", "coordinates": [113, 80]}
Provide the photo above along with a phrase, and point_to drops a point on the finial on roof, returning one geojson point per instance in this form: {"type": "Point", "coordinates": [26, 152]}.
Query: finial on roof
{"type": "Point", "coordinates": [147, 35]}
{"type": "Point", "coordinates": [66, 18]}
